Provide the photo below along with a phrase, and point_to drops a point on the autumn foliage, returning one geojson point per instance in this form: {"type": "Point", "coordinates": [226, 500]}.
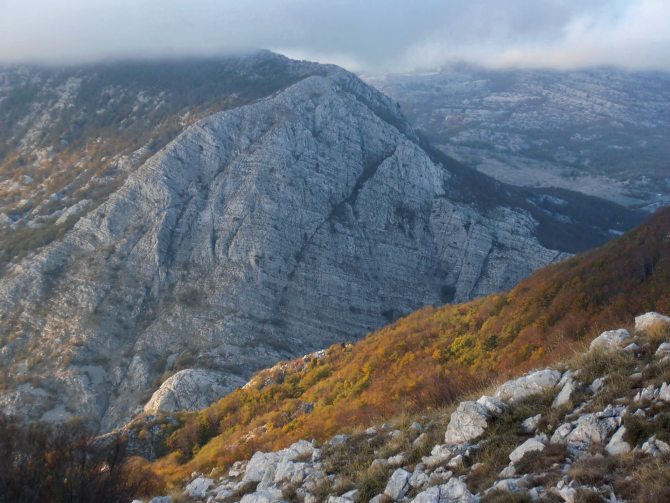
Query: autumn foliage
{"type": "Point", "coordinates": [433, 356]}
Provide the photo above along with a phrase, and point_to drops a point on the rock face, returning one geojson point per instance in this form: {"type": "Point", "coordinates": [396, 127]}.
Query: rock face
{"type": "Point", "coordinates": [308, 217]}
{"type": "Point", "coordinates": [191, 389]}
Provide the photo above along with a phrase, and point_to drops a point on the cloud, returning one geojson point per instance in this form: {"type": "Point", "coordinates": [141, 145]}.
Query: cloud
{"type": "Point", "coordinates": [369, 35]}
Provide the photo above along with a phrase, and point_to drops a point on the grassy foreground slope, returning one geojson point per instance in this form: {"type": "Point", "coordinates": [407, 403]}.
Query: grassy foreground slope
{"type": "Point", "coordinates": [433, 356]}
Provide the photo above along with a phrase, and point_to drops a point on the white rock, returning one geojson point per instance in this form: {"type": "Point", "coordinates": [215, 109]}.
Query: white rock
{"type": "Point", "coordinates": [649, 320]}
{"type": "Point", "coordinates": [655, 447]}
{"type": "Point", "coordinates": [597, 385]}
{"type": "Point", "coordinates": [560, 436]}
{"type": "Point", "coordinates": [530, 384]}
{"type": "Point", "coordinates": [261, 466]}
{"type": "Point", "coordinates": [648, 393]}
{"type": "Point", "coordinates": [265, 496]}
{"type": "Point", "coordinates": [161, 499]}
{"type": "Point", "coordinates": [508, 472]}
{"type": "Point", "coordinates": [663, 349]}
{"type": "Point", "coordinates": [456, 461]}
{"type": "Point", "coordinates": [419, 478]}
{"type": "Point", "coordinates": [339, 439]}
{"type": "Point", "coordinates": [454, 491]}
{"type": "Point", "coordinates": [191, 389]}
{"type": "Point", "coordinates": [610, 340]}
{"type": "Point", "coordinates": [467, 423]}
{"type": "Point", "coordinates": [371, 431]}
{"type": "Point", "coordinates": [396, 460]}
{"type": "Point", "coordinates": [398, 484]}
{"type": "Point", "coordinates": [507, 485]}
{"type": "Point", "coordinates": [589, 429]}
{"type": "Point", "coordinates": [493, 405]}
{"type": "Point", "coordinates": [198, 487]}
{"type": "Point", "coordinates": [617, 445]}
{"type": "Point", "coordinates": [664, 392]}
{"type": "Point", "coordinates": [563, 398]}
{"type": "Point", "coordinates": [529, 425]}
{"type": "Point", "coordinates": [633, 348]}
{"type": "Point", "coordinates": [568, 494]}
{"type": "Point", "coordinates": [530, 445]}
{"type": "Point", "coordinates": [289, 472]}
{"type": "Point", "coordinates": [301, 450]}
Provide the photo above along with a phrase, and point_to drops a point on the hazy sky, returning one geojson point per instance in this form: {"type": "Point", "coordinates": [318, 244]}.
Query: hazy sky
{"type": "Point", "coordinates": [362, 35]}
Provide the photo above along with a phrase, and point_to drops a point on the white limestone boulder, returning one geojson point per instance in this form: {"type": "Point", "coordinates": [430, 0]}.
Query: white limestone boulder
{"type": "Point", "coordinates": [530, 384]}
{"type": "Point", "coordinates": [650, 320]}
{"type": "Point", "coordinates": [467, 423]}
{"type": "Point", "coordinates": [610, 340]}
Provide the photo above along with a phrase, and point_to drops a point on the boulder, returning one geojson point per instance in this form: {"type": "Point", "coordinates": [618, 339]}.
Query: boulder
{"type": "Point", "coordinates": [655, 447]}
{"type": "Point", "coordinates": [590, 429]}
{"type": "Point", "coordinates": [650, 320]}
{"type": "Point", "coordinates": [191, 389]}
{"type": "Point", "coordinates": [493, 405]}
{"type": "Point", "coordinates": [198, 488]}
{"type": "Point", "coordinates": [289, 472]}
{"type": "Point", "coordinates": [663, 349]}
{"type": "Point", "coordinates": [161, 499]}
{"type": "Point", "coordinates": [454, 491]}
{"type": "Point", "coordinates": [261, 466]}
{"type": "Point", "coordinates": [617, 445]}
{"type": "Point", "coordinates": [664, 392]}
{"type": "Point", "coordinates": [563, 398]}
{"type": "Point", "coordinates": [398, 484]}
{"type": "Point", "coordinates": [530, 384]}
{"type": "Point", "coordinates": [610, 340]}
{"type": "Point", "coordinates": [467, 423]}
{"type": "Point", "coordinates": [532, 444]}
{"type": "Point", "coordinates": [597, 385]}
{"type": "Point", "coordinates": [339, 439]}
{"type": "Point", "coordinates": [530, 424]}
{"type": "Point", "coordinates": [265, 496]}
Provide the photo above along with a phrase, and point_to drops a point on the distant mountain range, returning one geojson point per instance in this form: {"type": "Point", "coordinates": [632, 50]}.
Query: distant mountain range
{"type": "Point", "coordinates": [603, 131]}
{"type": "Point", "coordinates": [216, 216]}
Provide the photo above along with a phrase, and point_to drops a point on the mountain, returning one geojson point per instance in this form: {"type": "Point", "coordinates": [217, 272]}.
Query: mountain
{"type": "Point", "coordinates": [599, 131]}
{"type": "Point", "coordinates": [429, 359]}
{"type": "Point", "coordinates": [69, 136]}
{"type": "Point", "coordinates": [308, 213]}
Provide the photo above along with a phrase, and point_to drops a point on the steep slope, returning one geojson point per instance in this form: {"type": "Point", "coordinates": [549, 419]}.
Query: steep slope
{"type": "Point", "coordinates": [599, 131]}
{"type": "Point", "coordinates": [259, 233]}
{"type": "Point", "coordinates": [69, 136]}
{"type": "Point", "coordinates": [592, 428]}
{"type": "Point", "coordinates": [433, 356]}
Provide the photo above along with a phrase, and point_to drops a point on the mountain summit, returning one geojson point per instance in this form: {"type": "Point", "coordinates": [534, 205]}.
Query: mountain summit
{"type": "Point", "coordinates": [310, 215]}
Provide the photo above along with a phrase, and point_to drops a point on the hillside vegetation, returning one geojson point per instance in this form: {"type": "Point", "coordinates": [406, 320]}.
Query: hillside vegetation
{"type": "Point", "coordinates": [432, 357]}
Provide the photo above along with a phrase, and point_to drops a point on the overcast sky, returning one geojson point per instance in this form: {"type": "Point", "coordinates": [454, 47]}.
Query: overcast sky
{"type": "Point", "coordinates": [362, 35]}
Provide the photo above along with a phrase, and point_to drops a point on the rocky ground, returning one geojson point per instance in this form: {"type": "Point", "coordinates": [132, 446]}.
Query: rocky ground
{"type": "Point", "coordinates": [599, 131]}
{"type": "Point", "coordinates": [595, 428]}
